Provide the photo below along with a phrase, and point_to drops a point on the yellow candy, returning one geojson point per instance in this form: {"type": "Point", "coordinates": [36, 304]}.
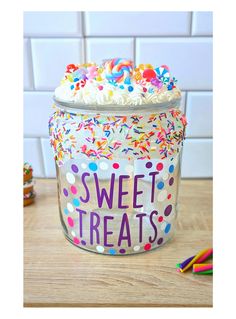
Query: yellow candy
{"type": "Point", "coordinates": [137, 76]}
{"type": "Point", "coordinates": [99, 78]}
{"type": "Point", "coordinates": [70, 78]}
{"type": "Point", "coordinates": [110, 93]}
{"type": "Point", "coordinates": [141, 66]}
{"type": "Point", "coordinates": [149, 66]}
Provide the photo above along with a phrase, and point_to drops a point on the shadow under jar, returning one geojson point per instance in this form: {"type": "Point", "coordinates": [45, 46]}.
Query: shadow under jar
{"type": "Point", "coordinates": [118, 172]}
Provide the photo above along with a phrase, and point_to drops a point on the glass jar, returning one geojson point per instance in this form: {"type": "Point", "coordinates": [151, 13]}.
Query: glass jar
{"type": "Point", "coordinates": [118, 171]}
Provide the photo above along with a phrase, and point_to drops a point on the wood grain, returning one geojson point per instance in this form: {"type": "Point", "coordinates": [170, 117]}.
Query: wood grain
{"type": "Point", "coordinates": [58, 274]}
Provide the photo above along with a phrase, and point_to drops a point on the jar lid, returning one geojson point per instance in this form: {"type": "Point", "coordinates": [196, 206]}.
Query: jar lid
{"type": "Point", "coordinates": [116, 82]}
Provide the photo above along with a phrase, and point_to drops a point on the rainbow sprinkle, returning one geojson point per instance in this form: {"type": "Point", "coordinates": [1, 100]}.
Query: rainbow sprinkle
{"type": "Point", "coordinates": [102, 136]}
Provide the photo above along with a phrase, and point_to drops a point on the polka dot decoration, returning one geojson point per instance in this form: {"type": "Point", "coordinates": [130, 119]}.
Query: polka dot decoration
{"type": "Point", "coordinates": [74, 168]}
{"type": "Point", "coordinates": [149, 165]}
{"type": "Point", "coordinates": [162, 196]}
{"type": "Point", "coordinates": [84, 165]}
{"type": "Point", "coordinates": [167, 229]}
{"type": "Point", "coordinates": [73, 190]}
{"type": "Point", "coordinates": [159, 166]}
{"type": "Point", "coordinates": [171, 181]}
{"type": "Point", "coordinates": [70, 222]}
{"type": "Point", "coordinates": [100, 249]}
{"type": "Point", "coordinates": [65, 192]}
{"type": "Point", "coordinates": [70, 178]}
{"type": "Point", "coordinates": [70, 207]}
{"type": "Point", "coordinates": [160, 185]}
{"type": "Point", "coordinates": [168, 210]}
{"type": "Point", "coordinates": [116, 165]}
{"type": "Point", "coordinates": [171, 168]}
{"type": "Point", "coordinates": [76, 241]}
{"type": "Point", "coordinates": [76, 202]}
{"type": "Point", "coordinates": [112, 251]}
{"type": "Point", "coordinates": [93, 167]}
{"type": "Point", "coordinates": [147, 246]}
{"type": "Point", "coordinates": [103, 166]}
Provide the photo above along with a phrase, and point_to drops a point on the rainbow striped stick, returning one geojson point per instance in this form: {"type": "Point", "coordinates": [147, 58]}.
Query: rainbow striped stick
{"type": "Point", "coordinates": [199, 268]}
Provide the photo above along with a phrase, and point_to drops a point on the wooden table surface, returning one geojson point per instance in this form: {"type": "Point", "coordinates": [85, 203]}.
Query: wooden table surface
{"type": "Point", "coordinates": [56, 273]}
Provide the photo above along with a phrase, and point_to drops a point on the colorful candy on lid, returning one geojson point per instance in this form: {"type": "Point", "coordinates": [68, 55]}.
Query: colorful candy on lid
{"type": "Point", "coordinates": [90, 83]}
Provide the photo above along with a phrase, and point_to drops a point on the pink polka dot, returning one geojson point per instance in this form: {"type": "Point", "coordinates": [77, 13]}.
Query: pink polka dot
{"type": "Point", "coordinates": [160, 219]}
{"type": "Point", "coordinates": [70, 221]}
{"type": "Point", "coordinates": [76, 241]}
{"type": "Point", "coordinates": [159, 166]}
{"type": "Point", "coordinates": [73, 189]}
{"type": "Point", "coordinates": [148, 246]}
{"type": "Point", "coordinates": [116, 165]}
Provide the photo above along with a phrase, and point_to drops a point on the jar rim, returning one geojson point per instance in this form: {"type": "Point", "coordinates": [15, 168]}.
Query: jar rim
{"type": "Point", "coordinates": [116, 107]}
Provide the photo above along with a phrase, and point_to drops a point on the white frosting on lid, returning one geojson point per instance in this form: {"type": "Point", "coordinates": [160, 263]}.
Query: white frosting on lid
{"type": "Point", "coordinates": [117, 82]}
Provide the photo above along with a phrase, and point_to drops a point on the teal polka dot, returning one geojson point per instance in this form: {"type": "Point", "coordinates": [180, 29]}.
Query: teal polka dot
{"type": "Point", "coordinates": [66, 211]}
{"type": "Point", "coordinates": [167, 229]}
{"type": "Point", "coordinates": [76, 202]}
{"type": "Point", "coordinates": [160, 185]}
{"type": "Point", "coordinates": [93, 167]}
{"type": "Point", "coordinates": [112, 251]}
{"type": "Point", "coordinates": [171, 168]}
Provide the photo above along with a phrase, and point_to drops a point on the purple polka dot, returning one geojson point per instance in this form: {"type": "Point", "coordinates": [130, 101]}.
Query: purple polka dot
{"type": "Point", "coordinates": [74, 168]}
{"type": "Point", "coordinates": [149, 164]}
{"type": "Point", "coordinates": [168, 210]}
{"type": "Point", "coordinates": [83, 242]}
{"type": "Point", "coordinates": [122, 250]}
{"type": "Point", "coordinates": [171, 181]}
{"type": "Point", "coordinates": [160, 241]}
{"type": "Point", "coordinates": [65, 191]}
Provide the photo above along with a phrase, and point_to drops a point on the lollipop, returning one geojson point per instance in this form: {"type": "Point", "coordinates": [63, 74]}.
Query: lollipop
{"type": "Point", "coordinates": [163, 73]}
{"type": "Point", "coordinates": [118, 70]}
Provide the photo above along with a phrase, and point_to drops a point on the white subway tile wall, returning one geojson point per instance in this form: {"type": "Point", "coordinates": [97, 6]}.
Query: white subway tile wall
{"type": "Point", "coordinates": [182, 40]}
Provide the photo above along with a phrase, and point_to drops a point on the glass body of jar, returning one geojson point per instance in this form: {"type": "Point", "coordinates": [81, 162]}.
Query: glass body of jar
{"type": "Point", "coordinates": [118, 171]}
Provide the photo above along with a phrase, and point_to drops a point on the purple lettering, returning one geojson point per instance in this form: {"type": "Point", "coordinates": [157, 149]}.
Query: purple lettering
{"type": "Point", "coordinates": [124, 226]}
{"type": "Point", "coordinates": [154, 212]}
{"type": "Point", "coordinates": [86, 188]}
{"type": "Point", "coordinates": [140, 216]}
{"type": "Point", "coordinates": [153, 174]}
{"type": "Point", "coordinates": [106, 232]}
{"type": "Point", "coordinates": [121, 193]}
{"type": "Point", "coordinates": [136, 192]}
{"type": "Point", "coordinates": [94, 227]}
{"type": "Point", "coordinates": [81, 213]}
{"type": "Point", "coordinates": [103, 193]}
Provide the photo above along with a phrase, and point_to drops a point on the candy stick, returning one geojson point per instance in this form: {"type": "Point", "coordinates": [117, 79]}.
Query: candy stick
{"type": "Point", "coordinates": [205, 256]}
{"type": "Point", "coordinates": [202, 267]}
{"type": "Point", "coordinates": [207, 272]}
{"type": "Point", "coordinates": [194, 260]}
{"type": "Point", "coordinates": [184, 263]}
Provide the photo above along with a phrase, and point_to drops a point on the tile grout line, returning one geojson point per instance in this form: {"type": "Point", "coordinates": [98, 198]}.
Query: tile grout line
{"type": "Point", "coordinates": [191, 24]}
{"type": "Point", "coordinates": [56, 36]}
{"type": "Point", "coordinates": [186, 101]}
{"type": "Point", "coordinates": [84, 49]}
{"type": "Point", "coordinates": [31, 64]}
{"type": "Point", "coordinates": [134, 50]}
{"type": "Point", "coordinates": [42, 156]}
